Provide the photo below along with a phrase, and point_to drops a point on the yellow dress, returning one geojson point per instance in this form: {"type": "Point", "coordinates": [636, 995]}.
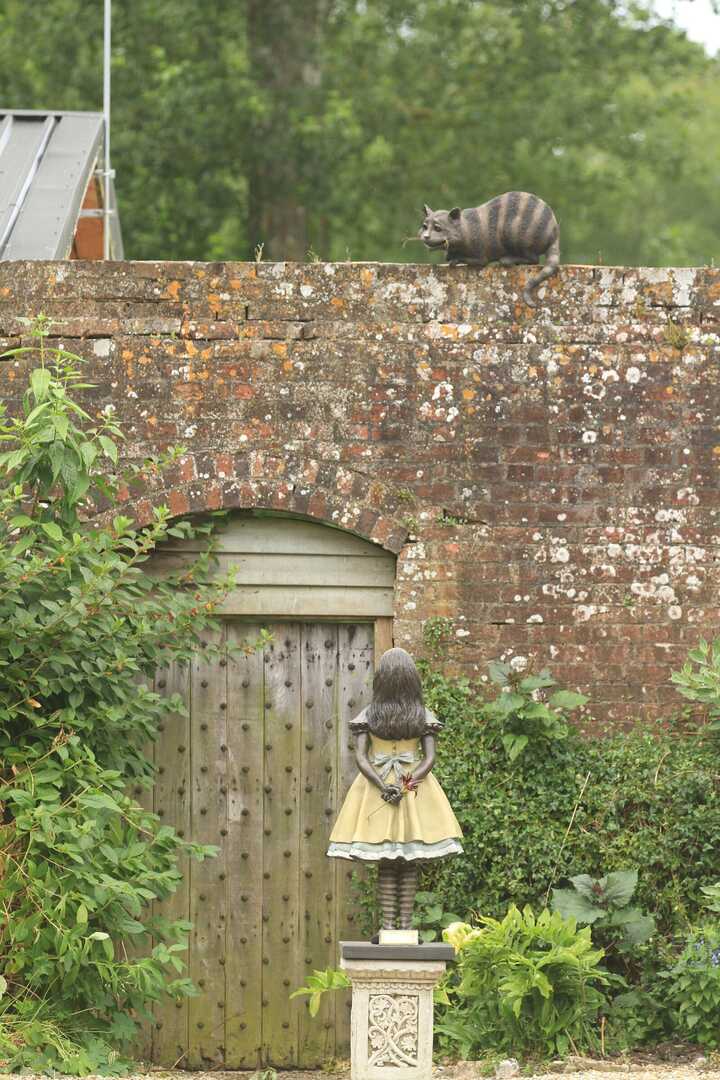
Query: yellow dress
{"type": "Point", "coordinates": [420, 826]}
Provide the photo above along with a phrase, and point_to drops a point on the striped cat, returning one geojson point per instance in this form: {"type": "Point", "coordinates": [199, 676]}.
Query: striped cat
{"type": "Point", "coordinates": [514, 228]}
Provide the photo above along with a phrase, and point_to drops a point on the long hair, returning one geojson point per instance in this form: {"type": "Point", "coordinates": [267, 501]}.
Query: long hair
{"type": "Point", "coordinates": [397, 710]}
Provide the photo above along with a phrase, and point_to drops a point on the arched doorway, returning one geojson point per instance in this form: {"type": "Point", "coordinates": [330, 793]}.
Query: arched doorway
{"type": "Point", "coordinates": [258, 768]}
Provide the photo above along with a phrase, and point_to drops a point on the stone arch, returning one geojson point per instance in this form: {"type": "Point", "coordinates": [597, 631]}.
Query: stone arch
{"type": "Point", "coordinates": [327, 492]}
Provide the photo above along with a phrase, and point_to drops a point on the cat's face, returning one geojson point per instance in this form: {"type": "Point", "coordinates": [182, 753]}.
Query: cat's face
{"type": "Point", "coordinates": [439, 227]}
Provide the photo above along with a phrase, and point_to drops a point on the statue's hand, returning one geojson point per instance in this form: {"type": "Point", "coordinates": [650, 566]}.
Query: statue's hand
{"type": "Point", "coordinates": [392, 794]}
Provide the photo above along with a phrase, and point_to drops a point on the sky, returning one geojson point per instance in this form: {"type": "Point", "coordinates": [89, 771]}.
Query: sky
{"type": "Point", "coordinates": [696, 17]}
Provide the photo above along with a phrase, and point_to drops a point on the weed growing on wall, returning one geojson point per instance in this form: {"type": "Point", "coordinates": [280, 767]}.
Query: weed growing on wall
{"type": "Point", "coordinates": [82, 631]}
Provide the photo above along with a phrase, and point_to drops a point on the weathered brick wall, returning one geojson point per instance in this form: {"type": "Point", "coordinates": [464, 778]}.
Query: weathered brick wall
{"type": "Point", "coordinates": [548, 479]}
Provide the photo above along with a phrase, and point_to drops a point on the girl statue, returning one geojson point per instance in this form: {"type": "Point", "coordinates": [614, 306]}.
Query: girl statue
{"type": "Point", "coordinates": [395, 814]}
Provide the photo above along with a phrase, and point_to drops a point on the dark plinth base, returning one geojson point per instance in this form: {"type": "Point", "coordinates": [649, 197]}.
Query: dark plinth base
{"type": "Point", "coordinates": [364, 950]}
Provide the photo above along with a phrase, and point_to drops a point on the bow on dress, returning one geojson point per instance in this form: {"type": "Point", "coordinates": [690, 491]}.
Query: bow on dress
{"type": "Point", "coordinates": [385, 763]}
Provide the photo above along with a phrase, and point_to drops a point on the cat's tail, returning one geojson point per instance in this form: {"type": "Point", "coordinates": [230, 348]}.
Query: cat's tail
{"type": "Point", "coordinates": [552, 261]}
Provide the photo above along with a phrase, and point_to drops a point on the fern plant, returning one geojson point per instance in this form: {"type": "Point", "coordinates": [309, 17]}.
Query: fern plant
{"type": "Point", "coordinates": [523, 983]}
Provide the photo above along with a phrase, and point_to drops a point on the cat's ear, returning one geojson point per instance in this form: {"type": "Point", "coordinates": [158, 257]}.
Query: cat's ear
{"type": "Point", "coordinates": [427, 211]}
{"type": "Point", "coordinates": [455, 213]}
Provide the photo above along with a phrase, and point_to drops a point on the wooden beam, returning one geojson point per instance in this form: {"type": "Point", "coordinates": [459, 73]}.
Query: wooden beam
{"type": "Point", "coordinates": [383, 637]}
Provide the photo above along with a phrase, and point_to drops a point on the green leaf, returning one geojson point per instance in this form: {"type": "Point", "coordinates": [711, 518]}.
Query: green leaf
{"type": "Point", "coordinates": [81, 916]}
{"type": "Point", "coordinates": [567, 699]}
{"type": "Point", "coordinates": [109, 448]}
{"type": "Point", "coordinates": [571, 905]}
{"type": "Point", "coordinates": [619, 887]}
{"type": "Point", "coordinates": [537, 682]}
{"type": "Point", "coordinates": [53, 531]}
{"type": "Point", "coordinates": [585, 886]}
{"type": "Point", "coordinates": [40, 380]}
{"type": "Point", "coordinates": [499, 672]}
{"type": "Point", "coordinates": [514, 745]}
{"type": "Point", "coordinates": [639, 930]}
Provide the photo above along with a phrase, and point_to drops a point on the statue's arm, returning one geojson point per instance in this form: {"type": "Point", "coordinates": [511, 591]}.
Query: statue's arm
{"type": "Point", "coordinates": [390, 792]}
{"type": "Point", "coordinates": [421, 770]}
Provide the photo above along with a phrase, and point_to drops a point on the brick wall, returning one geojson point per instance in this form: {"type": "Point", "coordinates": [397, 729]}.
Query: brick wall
{"type": "Point", "coordinates": [548, 479]}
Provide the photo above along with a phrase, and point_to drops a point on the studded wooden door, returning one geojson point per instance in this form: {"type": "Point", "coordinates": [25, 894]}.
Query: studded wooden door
{"type": "Point", "coordinates": [259, 768]}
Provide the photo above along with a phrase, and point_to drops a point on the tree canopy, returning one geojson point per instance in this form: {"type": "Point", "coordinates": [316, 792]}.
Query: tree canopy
{"type": "Point", "coordinates": [319, 129]}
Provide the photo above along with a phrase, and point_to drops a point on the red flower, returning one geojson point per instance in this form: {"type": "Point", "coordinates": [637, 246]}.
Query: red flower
{"type": "Point", "coordinates": [409, 783]}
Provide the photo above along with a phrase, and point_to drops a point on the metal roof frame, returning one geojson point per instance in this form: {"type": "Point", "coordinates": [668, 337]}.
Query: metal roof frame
{"type": "Point", "coordinates": [47, 159]}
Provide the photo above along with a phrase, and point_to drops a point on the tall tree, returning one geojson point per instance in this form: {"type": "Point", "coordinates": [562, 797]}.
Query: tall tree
{"type": "Point", "coordinates": [284, 42]}
{"type": "Point", "coordinates": [326, 125]}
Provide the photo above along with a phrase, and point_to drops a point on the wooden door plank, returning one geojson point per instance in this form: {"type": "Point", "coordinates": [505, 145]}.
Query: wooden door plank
{"type": "Point", "coordinates": [318, 762]}
{"type": "Point", "coordinates": [356, 655]}
{"type": "Point", "coordinates": [383, 637]}
{"type": "Point", "coordinates": [243, 962]}
{"type": "Point", "coordinates": [138, 946]}
{"type": "Point", "coordinates": [172, 805]}
{"type": "Point", "coordinates": [289, 535]}
{"type": "Point", "coordinates": [306, 602]}
{"type": "Point", "coordinates": [301, 569]}
{"type": "Point", "coordinates": [281, 969]}
{"type": "Point", "coordinates": [207, 879]}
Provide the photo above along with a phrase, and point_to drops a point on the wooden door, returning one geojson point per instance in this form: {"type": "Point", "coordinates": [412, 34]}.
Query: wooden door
{"type": "Point", "coordinates": [259, 768]}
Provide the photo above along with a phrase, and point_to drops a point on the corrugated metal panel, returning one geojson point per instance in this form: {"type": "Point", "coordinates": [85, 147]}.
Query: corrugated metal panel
{"type": "Point", "coordinates": [290, 567]}
{"type": "Point", "coordinates": [46, 223]}
{"type": "Point", "coordinates": [24, 144]}
{"type": "Point", "coordinates": [46, 162]}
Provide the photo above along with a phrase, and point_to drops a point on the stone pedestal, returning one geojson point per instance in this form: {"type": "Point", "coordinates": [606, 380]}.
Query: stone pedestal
{"type": "Point", "coordinates": [392, 1008]}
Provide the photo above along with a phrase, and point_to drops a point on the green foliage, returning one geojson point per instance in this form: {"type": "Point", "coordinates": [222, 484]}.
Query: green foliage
{"type": "Point", "coordinates": [520, 716]}
{"type": "Point", "coordinates": [429, 916]}
{"type": "Point", "coordinates": [346, 117]}
{"type": "Point", "coordinates": [523, 983]}
{"type": "Point", "coordinates": [638, 1016]}
{"type": "Point", "coordinates": [437, 634]}
{"type": "Point", "coordinates": [647, 798]}
{"type": "Point", "coordinates": [712, 893]}
{"type": "Point", "coordinates": [319, 983]}
{"type": "Point", "coordinates": [676, 335]}
{"type": "Point", "coordinates": [699, 679]}
{"type": "Point", "coordinates": [604, 904]}
{"type": "Point", "coordinates": [692, 986]}
{"type": "Point", "coordinates": [83, 629]}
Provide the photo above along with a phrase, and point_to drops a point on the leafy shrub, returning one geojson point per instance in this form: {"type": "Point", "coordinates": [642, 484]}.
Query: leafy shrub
{"type": "Point", "coordinates": [712, 897]}
{"type": "Point", "coordinates": [699, 679]}
{"type": "Point", "coordinates": [693, 988]}
{"type": "Point", "coordinates": [429, 916]}
{"type": "Point", "coordinates": [646, 798]}
{"type": "Point", "coordinates": [521, 716]}
{"type": "Point", "coordinates": [82, 631]}
{"type": "Point", "coordinates": [319, 983]}
{"type": "Point", "coordinates": [523, 983]}
{"type": "Point", "coordinates": [604, 904]}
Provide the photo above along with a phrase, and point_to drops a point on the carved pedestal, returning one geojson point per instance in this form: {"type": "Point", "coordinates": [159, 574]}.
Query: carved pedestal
{"type": "Point", "coordinates": [392, 1008]}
